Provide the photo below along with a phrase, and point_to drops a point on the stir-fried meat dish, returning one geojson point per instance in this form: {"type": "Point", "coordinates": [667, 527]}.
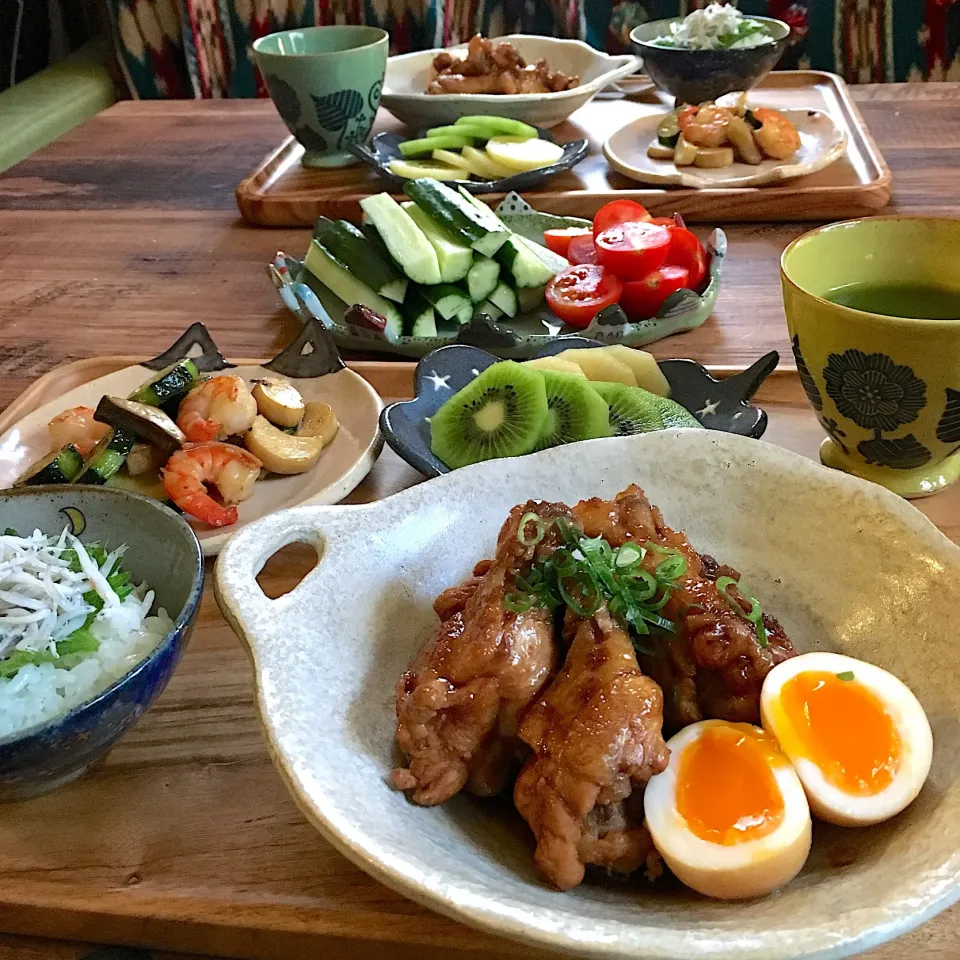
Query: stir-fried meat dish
{"type": "Point", "coordinates": [591, 631]}
{"type": "Point", "coordinates": [459, 703]}
{"type": "Point", "coordinates": [712, 668]}
{"type": "Point", "coordinates": [596, 735]}
{"type": "Point", "coordinates": [489, 68]}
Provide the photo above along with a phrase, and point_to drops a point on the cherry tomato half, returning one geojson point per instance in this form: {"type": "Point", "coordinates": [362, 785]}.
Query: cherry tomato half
{"type": "Point", "coordinates": [687, 251]}
{"type": "Point", "coordinates": [559, 240]}
{"type": "Point", "coordinates": [617, 212]}
{"type": "Point", "coordinates": [631, 250]}
{"type": "Point", "coordinates": [641, 299]}
{"type": "Point", "coordinates": [582, 250]}
{"type": "Point", "coordinates": [576, 295]}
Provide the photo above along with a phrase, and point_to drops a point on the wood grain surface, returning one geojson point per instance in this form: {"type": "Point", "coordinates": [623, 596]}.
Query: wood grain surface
{"type": "Point", "coordinates": [282, 192]}
{"type": "Point", "coordinates": [185, 838]}
{"type": "Point", "coordinates": [115, 238]}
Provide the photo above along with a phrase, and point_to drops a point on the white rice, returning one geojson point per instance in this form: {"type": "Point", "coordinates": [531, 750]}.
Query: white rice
{"type": "Point", "coordinates": [715, 27]}
{"type": "Point", "coordinates": [40, 603]}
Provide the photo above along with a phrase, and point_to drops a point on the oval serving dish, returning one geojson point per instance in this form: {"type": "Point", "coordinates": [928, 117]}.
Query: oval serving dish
{"type": "Point", "coordinates": [404, 87]}
{"type": "Point", "coordinates": [888, 595]}
{"type": "Point", "coordinates": [311, 362]}
{"type": "Point", "coordinates": [718, 404]}
{"type": "Point", "coordinates": [385, 147]}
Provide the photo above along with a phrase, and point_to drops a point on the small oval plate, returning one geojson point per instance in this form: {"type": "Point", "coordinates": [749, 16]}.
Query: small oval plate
{"type": "Point", "coordinates": [821, 143]}
{"type": "Point", "coordinates": [386, 147]}
{"type": "Point", "coordinates": [717, 404]}
{"type": "Point", "coordinates": [311, 362]}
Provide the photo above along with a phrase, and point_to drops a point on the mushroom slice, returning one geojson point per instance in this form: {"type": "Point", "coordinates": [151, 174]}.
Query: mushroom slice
{"type": "Point", "coordinates": [281, 452]}
{"type": "Point", "coordinates": [319, 420]}
{"type": "Point", "coordinates": [279, 401]}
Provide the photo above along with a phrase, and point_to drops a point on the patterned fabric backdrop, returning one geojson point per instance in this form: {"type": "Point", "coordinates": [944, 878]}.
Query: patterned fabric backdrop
{"type": "Point", "coordinates": [183, 48]}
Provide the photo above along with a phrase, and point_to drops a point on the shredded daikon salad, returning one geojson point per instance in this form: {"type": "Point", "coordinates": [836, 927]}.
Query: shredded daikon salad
{"type": "Point", "coordinates": [71, 622]}
{"type": "Point", "coordinates": [716, 27]}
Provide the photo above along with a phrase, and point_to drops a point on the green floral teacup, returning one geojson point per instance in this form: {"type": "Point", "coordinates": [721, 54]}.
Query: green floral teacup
{"type": "Point", "coordinates": [886, 388]}
{"type": "Point", "coordinates": [325, 83]}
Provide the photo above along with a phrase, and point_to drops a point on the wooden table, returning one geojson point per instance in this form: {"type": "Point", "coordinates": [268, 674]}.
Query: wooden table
{"type": "Point", "coordinates": [113, 240]}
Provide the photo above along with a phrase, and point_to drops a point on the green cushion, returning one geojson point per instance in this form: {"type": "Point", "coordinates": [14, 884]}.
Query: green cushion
{"type": "Point", "coordinates": [48, 104]}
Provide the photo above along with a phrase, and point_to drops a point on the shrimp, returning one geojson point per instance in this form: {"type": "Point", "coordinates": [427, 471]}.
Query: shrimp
{"type": "Point", "coordinates": [232, 470]}
{"type": "Point", "coordinates": [777, 136]}
{"type": "Point", "coordinates": [705, 126]}
{"type": "Point", "coordinates": [218, 408]}
{"type": "Point", "coordinates": [78, 427]}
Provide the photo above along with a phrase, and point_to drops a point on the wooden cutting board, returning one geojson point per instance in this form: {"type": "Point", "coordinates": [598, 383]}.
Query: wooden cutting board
{"type": "Point", "coordinates": [184, 837]}
{"type": "Point", "coordinates": [281, 192]}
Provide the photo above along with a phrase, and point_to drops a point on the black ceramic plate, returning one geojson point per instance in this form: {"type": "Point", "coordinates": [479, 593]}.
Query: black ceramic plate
{"type": "Point", "coordinates": [717, 404]}
{"type": "Point", "coordinates": [386, 147]}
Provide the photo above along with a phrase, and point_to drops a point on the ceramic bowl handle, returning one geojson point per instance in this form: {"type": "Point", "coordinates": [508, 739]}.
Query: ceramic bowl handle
{"type": "Point", "coordinates": [241, 600]}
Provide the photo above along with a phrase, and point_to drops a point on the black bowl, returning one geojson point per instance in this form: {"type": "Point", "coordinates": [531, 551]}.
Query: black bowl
{"type": "Point", "coordinates": [386, 147]}
{"type": "Point", "coordinates": [693, 76]}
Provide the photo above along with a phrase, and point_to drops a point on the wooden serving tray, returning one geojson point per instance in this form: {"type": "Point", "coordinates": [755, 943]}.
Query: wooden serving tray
{"type": "Point", "coordinates": [185, 839]}
{"type": "Point", "coordinates": [281, 192]}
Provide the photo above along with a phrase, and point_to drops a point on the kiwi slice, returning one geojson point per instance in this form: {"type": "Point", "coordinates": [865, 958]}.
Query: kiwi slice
{"type": "Point", "coordinates": [500, 414]}
{"type": "Point", "coordinates": [575, 411]}
{"type": "Point", "coordinates": [634, 410]}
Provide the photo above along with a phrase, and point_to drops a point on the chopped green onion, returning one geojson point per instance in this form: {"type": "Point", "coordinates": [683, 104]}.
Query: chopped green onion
{"type": "Point", "coordinates": [10, 532]}
{"type": "Point", "coordinates": [672, 568]}
{"type": "Point", "coordinates": [846, 675]}
{"type": "Point", "coordinates": [583, 604]}
{"type": "Point", "coordinates": [755, 616]}
{"type": "Point", "coordinates": [539, 529]}
{"type": "Point", "coordinates": [627, 557]}
{"type": "Point", "coordinates": [517, 602]}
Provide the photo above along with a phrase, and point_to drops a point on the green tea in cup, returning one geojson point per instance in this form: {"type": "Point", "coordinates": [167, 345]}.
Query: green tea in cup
{"type": "Point", "coordinates": [873, 312]}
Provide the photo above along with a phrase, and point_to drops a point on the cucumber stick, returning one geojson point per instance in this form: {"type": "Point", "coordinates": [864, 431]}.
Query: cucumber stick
{"type": "Point", "coordinates": [365, 261]}
{"type": "Point", "coordinates": [403, 238]}
{"type": "Point", "coordinates": [476, 226]}
{"type": "Point", "coordinates": [482, 278]}
{"type": "Point", "coordinates": [454, 258]}
{"type": "Point", "coordinates": [419, 316]}
{"type": "Point", "coordinates": [524, 266]}
{"type": "Point", "coordinates": [504, 299]}
{"type": "Point", "coordinates": [449, 301]}
{"type": "Point", "coordinates": [341, 282]}
{"type": "Point", "coordinates": [490, 309]}
{"type": "Point", "coordinates": [529, 298]}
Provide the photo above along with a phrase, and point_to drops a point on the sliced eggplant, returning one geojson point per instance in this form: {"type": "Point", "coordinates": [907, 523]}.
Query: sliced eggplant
{"type": "Point", "coordinates": [60, 466]}
{"type": "Point", "coordinates": [147, 422]}
{"type": "Point", "coordinates": [279, 401]}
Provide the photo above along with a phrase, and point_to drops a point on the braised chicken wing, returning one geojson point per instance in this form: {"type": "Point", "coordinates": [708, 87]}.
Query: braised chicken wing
{"type": "Point", "coordinates": [459, 703]}
{"type": "Point", "coordinates": [596, 737]}
{"type": "Point", "coordinates": [499, 69]}
{"type": "Point", "coordinates": [714, 665]}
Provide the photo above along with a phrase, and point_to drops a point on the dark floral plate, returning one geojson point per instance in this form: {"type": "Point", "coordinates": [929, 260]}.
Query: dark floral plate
{"type": "Point", "coordinates": [518, 338]}
{"type": "Point", "coordinates": [386, 147]}
{"type": "Point", "coordinates": [718, 404]}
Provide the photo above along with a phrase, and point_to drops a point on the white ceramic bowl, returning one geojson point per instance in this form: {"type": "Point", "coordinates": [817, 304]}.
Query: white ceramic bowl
{"type": "Point", "coordinates": [844, 565]}
{"type": "Point", "coordinates": [408, 75]}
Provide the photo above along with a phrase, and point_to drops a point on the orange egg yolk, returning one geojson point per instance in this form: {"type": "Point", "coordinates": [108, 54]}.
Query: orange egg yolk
{"type": "Point", "coordinates": [843, 728]}
{"type": "Point", "coordinates": [726, 790]}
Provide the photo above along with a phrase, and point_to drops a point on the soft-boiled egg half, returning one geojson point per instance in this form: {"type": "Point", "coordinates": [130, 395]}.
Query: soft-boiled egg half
{"type": "Point", "coordinates": [728, 815]}
{"type": "Point", "coordinates": [857, 737]}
